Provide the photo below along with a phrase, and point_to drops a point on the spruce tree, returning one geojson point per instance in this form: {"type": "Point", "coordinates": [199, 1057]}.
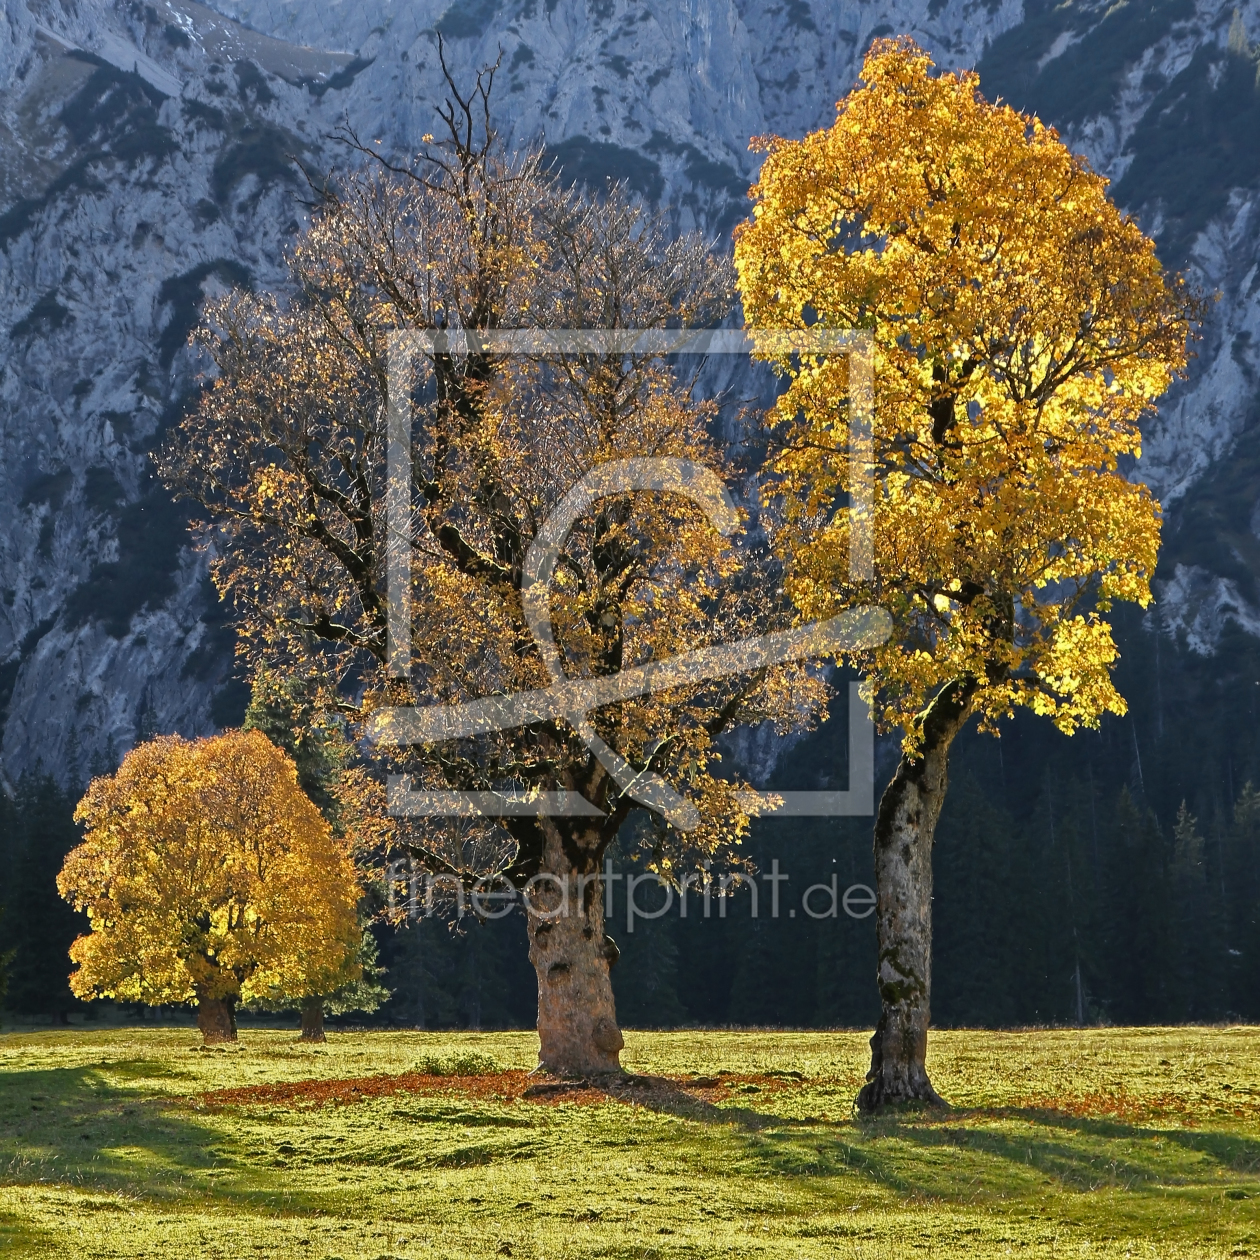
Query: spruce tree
{"type": "Point", "coordinates": [708, 952]}
{"type": "Point", "coordinates": [1198, 993]}
{"type": "Point", "coordinates": [756, 998]}
{"type": "Point", "coordinates": [8, 856]}
{"type": "Point", "coordinates": [845, 949]}
{"type": "Point", "coordinates": [645, 979]}
{"type": "Point", "coordinates": [419, 961]}
{"type": "Point", "coordinates": [6, 961]}
{"type": "Point", "coordinates": [39, 926]}
{"type": "Point", "coordinates": [1138, 944]}
{"type": "Point", "coordinates": [975, 949]}
{"type": "Point", "coordinates": [1242, 924]}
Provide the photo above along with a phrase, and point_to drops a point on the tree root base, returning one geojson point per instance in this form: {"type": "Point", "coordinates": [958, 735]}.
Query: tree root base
{"type": "Point", "coordinates": [876, 1096]}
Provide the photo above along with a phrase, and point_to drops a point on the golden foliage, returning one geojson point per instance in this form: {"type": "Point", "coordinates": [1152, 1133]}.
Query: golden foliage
{"type": "Point", "coordinates": [287, 452]}
{"type": "Point", "coordinates": [207, 873]}
{"type": "Point", "coordinates": [1022, 328]}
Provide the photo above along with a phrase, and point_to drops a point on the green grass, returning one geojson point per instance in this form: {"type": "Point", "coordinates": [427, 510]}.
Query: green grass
{"type": "Point", "coordinates": [1096, 1143]}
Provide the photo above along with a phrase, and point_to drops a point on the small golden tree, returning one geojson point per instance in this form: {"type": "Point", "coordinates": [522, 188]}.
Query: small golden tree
{"type": "Point", "coordinates": [1022, 327]}
{"type": "Point", "coordinates": [208, 876]}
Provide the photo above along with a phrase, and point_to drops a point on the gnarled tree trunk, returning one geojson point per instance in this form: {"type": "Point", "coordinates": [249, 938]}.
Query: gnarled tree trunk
{"type": "Point", "coordinates": [313, 1019]}
{"type": "Point", "coordinates": [904, 829]}
{"type": "Point", "coordinates": [577, 1017]}
{"type": "Point", "coordinates": [216, 1018]}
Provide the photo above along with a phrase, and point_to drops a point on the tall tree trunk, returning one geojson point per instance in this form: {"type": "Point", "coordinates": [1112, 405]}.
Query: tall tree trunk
{"type": "Point", "coordinates": [577, 1017]}
{"type": "Point", "coordinates": [216, 1018]}
{"type": "Point", "coordinates": [904, 829]}
{"type": "Point", "coordinates": [313, 1019]}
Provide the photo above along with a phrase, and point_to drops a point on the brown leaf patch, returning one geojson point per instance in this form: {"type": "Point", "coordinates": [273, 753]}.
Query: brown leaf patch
{"type": "Point", "coordinates": [499, 1086]}
{"type": "Point", "coordinates": [504, 1086]}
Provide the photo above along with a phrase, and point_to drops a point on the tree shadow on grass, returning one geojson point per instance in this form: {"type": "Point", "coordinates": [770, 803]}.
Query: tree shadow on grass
{"type": "Point", "coordinates": [18, 1236]}
{"type": "Point", "coordinates": [1233, 1150]}
{"type": "Point", "coordinates": [1081, 1154]}
{"type": "Point", "coordinates": [669, 1097]}
{"type": "Point", "coordinates": [77, 1127]}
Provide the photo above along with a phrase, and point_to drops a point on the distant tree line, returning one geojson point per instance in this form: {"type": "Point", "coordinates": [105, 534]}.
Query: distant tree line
{"type": "Point", "coordinates": [1055, 859]}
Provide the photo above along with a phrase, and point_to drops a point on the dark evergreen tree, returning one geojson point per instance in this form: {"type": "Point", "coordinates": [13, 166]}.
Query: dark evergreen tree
{"type": "Point", "coordinates": [39, 926]}
{"type": "Point", "coordinates": [974, 956]}
{"type": "Point", "coordinates": [1241, 877]}
{"type": "Point", "coordinates": [8, 847]}
{"type": "Point", "coordinates": [1138, 941]}
{"type": "Point", "coordinates": [284, 711]}
{"type": "Point", "coordinates": [6, 961]}
{"type": "Point", "coordinates": [419, 963]}
{"type": "Point", "coordinates": [1197, 978]}
{"type": "Point", "coordinates": [845, 947]}
{"type": "Point", "coordinates": [707, 961]}
{"type": "Point", "coordinates": [755, 997]}
{"type": "Point", "coordinates": [468, 974]}
{"type": "Point", "coordinates": [484, 975]}
{"type": "Point", "coordinates": [645, 978]}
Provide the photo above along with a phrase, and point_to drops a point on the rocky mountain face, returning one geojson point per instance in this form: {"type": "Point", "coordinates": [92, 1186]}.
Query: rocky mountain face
{"type": "Point", "coordinates": [147, 159]}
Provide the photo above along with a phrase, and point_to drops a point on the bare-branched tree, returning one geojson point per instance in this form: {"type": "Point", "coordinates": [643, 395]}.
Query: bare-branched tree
{"type": "Point", "coordinates": [287, 453]}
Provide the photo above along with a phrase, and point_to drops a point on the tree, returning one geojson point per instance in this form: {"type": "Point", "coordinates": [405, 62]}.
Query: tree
{"type": "Point", "coordinates": [1140, 915]}
{"type": "Point", "coordinates": [977, 957]}
{"type": "Point", "coordinates": [287, 714]}
{"type": "Point", "coordinates": [354, 986]}
{"type": "Point", "coordinates": [1199, 971]}
{"type": "Point", "coordinates": [39, 927]}
{"type": "Point", "coordinates": [286, 710]}
{"type": "Point", "coordinates": [1243, 908]}
{"type": "Point", "coordinates": [1022, 327]}
{"type": "Point", "coordinates": [286, 453]}
{"type": "Point", "coordinates": [472, 974]}
{"type": "Point", "coordinates": [208, 876]}
{"type": "Point", "coordinates": [6, 961]}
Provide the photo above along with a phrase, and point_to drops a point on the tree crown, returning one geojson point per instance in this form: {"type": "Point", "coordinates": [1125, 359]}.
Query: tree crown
{"type": "Point", "coordinates": [207, 873]}
{"type": "Point", "coordinates": [1022, 327]}
{"type": "Point", "coordinates": [287, 451]}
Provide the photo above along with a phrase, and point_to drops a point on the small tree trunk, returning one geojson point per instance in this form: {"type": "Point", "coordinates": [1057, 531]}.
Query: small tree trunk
{"type": "Point", "coordinates": [904, 829]}
{"type": "Point", "coordinates": [313, 1019]}
{"type": "Point", "coordinates": [577, 1017]}
{"type": "Point", "coordinates": [216, 1017]}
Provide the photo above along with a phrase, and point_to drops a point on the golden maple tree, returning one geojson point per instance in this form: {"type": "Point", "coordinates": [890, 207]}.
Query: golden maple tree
{"type": "Point", "coordinates": [208, 876]}
{"type": "Point", "coordinates": [1021, 328]}
{"type": "Point", "coordinates": [287, 453]}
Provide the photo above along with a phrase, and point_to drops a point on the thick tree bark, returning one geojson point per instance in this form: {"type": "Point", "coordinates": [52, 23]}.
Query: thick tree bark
{"type": "Point", "coordinates": [216, 1018]}
{"type": "Point", "coordinates": [577, 1017]}
{"type": "Point", "coordinates": [904, 829]}
{"type": "Point", "coordinates": [313, 1019]}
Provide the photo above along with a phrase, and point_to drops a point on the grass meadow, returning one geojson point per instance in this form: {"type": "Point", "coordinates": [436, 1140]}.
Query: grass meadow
{"type": "Point", "coordinates": [1098, 1143]}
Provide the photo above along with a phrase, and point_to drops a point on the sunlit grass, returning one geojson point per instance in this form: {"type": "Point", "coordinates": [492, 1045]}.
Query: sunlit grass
{"type": "Point", "coordinates": [1115, 1142]}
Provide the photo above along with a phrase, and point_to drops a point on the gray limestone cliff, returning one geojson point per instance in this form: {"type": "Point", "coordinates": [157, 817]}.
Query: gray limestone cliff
{"type": "Point", "coordinates": [148, 158]}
